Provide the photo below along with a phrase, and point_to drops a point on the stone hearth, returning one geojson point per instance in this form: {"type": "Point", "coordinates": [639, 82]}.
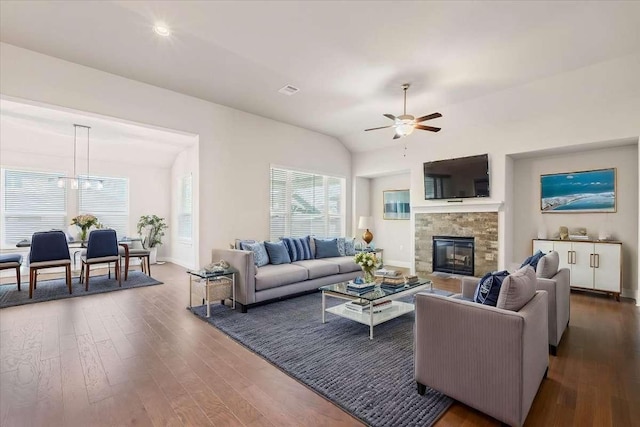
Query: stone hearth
{"type": "Point", "coordinates": [483, 226]}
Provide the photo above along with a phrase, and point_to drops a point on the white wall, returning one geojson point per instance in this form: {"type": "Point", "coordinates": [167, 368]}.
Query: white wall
{"type": "Point", "coordinates": [578, 109]}
{"type": "Point", "coordinates": [361, 203]}
{"type": "Point", "coordinates": [236, 148]}
{"type": "Point", "coordinates": [621, 224]}
{"type": "Point", "coordinates": [182, 252]}
{"type": "Point", "coordinates": [394, 236]}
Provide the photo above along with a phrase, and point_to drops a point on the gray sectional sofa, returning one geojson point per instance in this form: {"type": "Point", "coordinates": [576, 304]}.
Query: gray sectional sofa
{"type": "Point", "coordinates": [260, 284]}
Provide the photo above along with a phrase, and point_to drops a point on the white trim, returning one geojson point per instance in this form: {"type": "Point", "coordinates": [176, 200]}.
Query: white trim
{"type": "Point", "coordinates": [631, 293]}
{"type": "Point", "coordinates": [177, 262]}
{"type": "Point", "coordinates": [394, 263]}
{"type": "Point", "coordinates": [464, 206]}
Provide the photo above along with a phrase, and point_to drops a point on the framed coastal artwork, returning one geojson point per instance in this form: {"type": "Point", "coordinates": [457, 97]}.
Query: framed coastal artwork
{"type": "Point", "coordinates": [576, 192]}
{"type": "Point", "coordinates": [396, 204]}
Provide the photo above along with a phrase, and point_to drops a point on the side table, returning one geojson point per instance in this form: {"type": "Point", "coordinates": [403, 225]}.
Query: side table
{"type": "Point", "coordinates": [210, 282]}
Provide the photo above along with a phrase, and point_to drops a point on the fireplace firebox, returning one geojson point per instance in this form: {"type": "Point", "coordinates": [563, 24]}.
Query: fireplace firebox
{"type": "Point", "coordinates": [453, 255]}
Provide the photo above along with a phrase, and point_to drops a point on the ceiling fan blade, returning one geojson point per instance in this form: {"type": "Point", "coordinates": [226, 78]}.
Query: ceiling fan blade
{"type": "Point", "coordinates": [390, 116]}
{"type": "Point", "coordinates": [396, 136]}
{"type": "Point", "coordinates": [431, 128]}
{"type": "Point", "coordinates": [428, 117]}
{"type": "Point", "coordinates": [381, 127]}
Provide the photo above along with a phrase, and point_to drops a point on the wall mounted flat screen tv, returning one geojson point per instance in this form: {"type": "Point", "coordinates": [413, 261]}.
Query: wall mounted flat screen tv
{"type": "Point", "coordinates": [459, 178]}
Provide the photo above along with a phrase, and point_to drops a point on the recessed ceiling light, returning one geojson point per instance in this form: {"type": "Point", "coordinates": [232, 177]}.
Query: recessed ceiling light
{"type": "Point", "coordinates": [162, 30]}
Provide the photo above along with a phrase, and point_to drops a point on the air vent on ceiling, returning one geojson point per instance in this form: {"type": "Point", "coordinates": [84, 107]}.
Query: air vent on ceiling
{"type": "Point", "coordinates": [288, 90]}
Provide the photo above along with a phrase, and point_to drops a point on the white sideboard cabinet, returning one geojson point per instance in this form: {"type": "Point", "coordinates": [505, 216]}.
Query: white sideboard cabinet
{"type": "Point", "coordinates": [594, 265]}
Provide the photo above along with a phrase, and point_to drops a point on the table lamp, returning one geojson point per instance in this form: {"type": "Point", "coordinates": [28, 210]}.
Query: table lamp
{"type": "Point", "coordinates": [365, 223]}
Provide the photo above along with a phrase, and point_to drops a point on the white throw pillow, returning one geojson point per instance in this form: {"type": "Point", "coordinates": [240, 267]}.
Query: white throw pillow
{"type": "Point", "coordinates": [517, 289]}
{"type": "Point", "coordinates": [548, 265]}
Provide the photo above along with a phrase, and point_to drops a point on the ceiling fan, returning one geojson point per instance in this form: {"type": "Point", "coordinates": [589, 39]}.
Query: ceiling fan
{"type": "Point", "coordinates": [406, 123]}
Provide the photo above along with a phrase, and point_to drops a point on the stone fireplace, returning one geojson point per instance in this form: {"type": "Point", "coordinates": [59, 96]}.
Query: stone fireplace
{"type": "Point", "coordinates": [482, 227]}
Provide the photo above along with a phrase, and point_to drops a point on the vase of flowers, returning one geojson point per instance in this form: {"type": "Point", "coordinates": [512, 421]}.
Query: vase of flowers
{"type": "Point", "coordinates": [368, 262]}
{"type": "Point", "coordinates": [84, 222]}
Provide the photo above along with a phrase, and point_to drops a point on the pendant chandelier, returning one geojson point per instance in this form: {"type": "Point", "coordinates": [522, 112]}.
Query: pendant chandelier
{"type": "Point", "coordinates": [76, 180]}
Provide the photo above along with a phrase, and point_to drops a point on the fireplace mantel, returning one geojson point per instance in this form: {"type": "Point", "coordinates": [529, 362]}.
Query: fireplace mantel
{"type": "Point", "coordinates": [465, 206]}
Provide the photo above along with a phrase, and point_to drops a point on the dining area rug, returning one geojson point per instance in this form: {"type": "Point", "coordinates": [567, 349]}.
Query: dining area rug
{"type": "Point", "coordinates": [48, 290]}
{"type": "Point", "coordinates": [371, 379]}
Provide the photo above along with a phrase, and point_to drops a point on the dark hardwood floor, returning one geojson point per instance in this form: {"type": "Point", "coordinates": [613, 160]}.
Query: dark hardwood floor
{"type": "Point", "coordinates": [137, 357]}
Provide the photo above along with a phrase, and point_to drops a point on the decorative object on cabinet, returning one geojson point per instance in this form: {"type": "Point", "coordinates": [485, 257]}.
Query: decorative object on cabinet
{"type": "Point", "coordinates": [564, 233]}
{"type": "Point", "coordinates": [575, 192]}
{"type": "Point", "coordinates": [593, 265]}
{"type": "Point", "coordinates": [396, 204]}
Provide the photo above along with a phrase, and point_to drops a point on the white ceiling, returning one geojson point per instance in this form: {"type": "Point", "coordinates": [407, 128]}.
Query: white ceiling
{"type": "Point", "coordinates": [348, 58]}
{"type": "Point", "coordinates": [49, 132]}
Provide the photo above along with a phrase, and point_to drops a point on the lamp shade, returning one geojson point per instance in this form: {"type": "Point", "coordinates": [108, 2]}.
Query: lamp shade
{"type": "Point", "coordinates": [365, 222]}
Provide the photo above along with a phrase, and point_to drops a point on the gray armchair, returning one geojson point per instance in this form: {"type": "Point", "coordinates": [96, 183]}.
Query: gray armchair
{"type": "Point", "coordinates": [488, 358]}
{"type": "Point", "coordinates": [557, 284]}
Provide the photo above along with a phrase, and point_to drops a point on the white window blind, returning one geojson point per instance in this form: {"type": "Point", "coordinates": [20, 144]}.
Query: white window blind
{"type": "Point", "coordinates": [31, 201]}
{"type": "Point", "coordinates": [306, 204]}
{"type": "Point", "coordinates": [110, 204]}
{"type": "Point", "coordinates": [185, 216]}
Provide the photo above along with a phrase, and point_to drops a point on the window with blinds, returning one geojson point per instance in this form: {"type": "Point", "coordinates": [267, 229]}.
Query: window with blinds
{"type": "Point", "coordinates": [31, 201]}
{"type": "Point", "coordinates": [306, 204]}
{"type": "Point", "coordinates": [185, 217]}
{"type": "Point", "coordinates": [110, 204]}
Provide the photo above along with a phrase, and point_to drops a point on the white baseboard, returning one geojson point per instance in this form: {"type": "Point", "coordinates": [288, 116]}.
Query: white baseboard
{"type": "Point", "coordinates": [177, 262]}
{"type": "Point", "coordinates": [631, 293]}
{"type": "Point", "coordinates": [394, 263]}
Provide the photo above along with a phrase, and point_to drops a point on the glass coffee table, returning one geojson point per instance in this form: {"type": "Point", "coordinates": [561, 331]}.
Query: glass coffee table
{"type": "Point", "coordinates": [375, 307]}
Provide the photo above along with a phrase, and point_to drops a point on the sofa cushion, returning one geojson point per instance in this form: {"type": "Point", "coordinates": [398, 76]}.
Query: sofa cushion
{"type": "Point", "coordinates": [517, 289]}
{"type": "Point", "coordinates": [318, 268]}
{"type": "Point", "coordinates": [345, 264]}
{"type": "Point", "coordinates": [349, 247]}
{"type": "Point", "coordinates": [277, 253]}
{"type": "Point", "coordinates": [488, 288]}
{"type": "Point", "coordinates": [272, 276]}
{"type": "Point", "coordinates": [548, 265]}
{"type": "Point", "coordinates": [533, 260]}
{"type": "Point", "coordinates": [327, 248]}
{"type": "Point", "coordinates": [260, 256]}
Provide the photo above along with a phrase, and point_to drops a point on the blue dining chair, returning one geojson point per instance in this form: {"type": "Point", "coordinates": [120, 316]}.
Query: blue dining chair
{"type": "Point", "coordinates": [48, 249]}
{"type": "Point", "coordinates": [11, 261]}
{"type": "Point", "coordinates": [102, 248]}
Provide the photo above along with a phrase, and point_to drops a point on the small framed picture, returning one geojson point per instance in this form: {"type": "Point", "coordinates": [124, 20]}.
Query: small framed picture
{"type": "Point", "coordinates": [396, 204]}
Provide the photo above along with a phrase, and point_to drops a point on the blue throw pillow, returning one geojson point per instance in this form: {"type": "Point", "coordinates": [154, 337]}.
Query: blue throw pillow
{"type": "Point", "coordinates": [291, 248]}
{"type": "Point", "coordinates": [533, 260]}
{"type": "Point", "coordinates": [277, 253]}
{"type": "Point", "coordinates": [260, 256]}
{"type": "Point", "coordinates": [341, 242]}
{"type": "Point", "coordinates": [327, 248]}
{"type": "Point", "coordinates": [488, 288]}
{"type": "Point", "coordinates": [349, 247]}
{"type": "Point", "coordinates": [303, 247]}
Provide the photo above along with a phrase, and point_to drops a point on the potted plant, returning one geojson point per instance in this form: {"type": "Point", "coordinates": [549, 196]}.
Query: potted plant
{"type": "Point", "coordinates": [151, 229]}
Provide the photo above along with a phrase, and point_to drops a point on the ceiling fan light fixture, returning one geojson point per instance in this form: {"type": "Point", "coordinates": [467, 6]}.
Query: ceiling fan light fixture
{"type": "Point", "coordinates": [405, 128]}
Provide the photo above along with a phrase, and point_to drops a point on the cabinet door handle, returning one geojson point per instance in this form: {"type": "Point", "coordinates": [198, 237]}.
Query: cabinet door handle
{"type": "Point", "coordinates": [569, 257]}
{"type": "Point", "coordinates": [591, 260]}
{"type": "Point", "coordinates": [573, 257]}
{"type": "Point", "coordinates": [597, 260]}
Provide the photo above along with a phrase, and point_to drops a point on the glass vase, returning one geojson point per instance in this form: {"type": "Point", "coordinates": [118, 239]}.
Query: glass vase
{"type": "Point", "coordinates": [368, 275]}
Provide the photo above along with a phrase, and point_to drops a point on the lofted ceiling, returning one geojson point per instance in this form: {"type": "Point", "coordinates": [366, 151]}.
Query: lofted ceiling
{"type": "Point", "coordinates": [348, 58]}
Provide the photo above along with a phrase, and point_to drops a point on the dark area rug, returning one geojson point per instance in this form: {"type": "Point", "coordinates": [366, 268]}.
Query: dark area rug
{"type": "Point", "coordinates": [371, 379]}
{"type": "Point", "coordinates": [48, 290]}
